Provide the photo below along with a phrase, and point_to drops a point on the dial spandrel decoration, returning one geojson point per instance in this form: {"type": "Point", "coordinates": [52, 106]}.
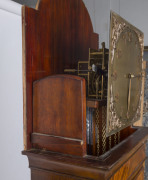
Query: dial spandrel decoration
{"type": "Point", "coordinates": [124, 75]}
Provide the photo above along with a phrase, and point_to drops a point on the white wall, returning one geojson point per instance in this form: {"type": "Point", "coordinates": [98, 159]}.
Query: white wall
{"type": "Point", "coordinates": [134, 11]}
{"type": "Point", "coordinates": [99, 11]}
{"type": "Point", "coordinates": [13, 165]}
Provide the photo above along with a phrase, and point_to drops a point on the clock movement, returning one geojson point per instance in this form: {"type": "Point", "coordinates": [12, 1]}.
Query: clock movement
{"type": "Point", "coordinates": [114, 76]}
{"type": "Point", "coordinates": [80, 102]}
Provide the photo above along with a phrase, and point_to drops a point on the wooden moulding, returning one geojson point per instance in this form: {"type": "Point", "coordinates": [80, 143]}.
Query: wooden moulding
{"type": "Point", "coordinates": [59, 114]}
{"type": "Point", "coordinates": [56, 35]}
{"type": "Point", "coordinates": [123, 160]}
{"type": "Point", "coordinates": [57, 144]}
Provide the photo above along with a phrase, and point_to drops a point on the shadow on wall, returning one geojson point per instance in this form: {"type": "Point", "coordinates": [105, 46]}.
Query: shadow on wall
{"type": "Point", "coordinates": [30, 3]}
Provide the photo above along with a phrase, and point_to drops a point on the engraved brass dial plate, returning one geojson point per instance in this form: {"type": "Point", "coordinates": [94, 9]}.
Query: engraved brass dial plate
{"type": "Point", "coordinates": [124, 75]}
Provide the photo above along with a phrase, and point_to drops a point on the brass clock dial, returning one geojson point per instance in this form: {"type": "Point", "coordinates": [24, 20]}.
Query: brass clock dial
{"type": "Point", "coordinates": [125, 75]}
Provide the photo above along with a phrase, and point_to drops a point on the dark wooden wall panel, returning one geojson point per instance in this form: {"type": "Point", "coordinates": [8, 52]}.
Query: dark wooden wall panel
{"type": "Point", "coordinates": [59, 114]}
{"type": "Point", "coordinates": [58, 106]}
{"type": "Point", "coordinates": [56, 35]}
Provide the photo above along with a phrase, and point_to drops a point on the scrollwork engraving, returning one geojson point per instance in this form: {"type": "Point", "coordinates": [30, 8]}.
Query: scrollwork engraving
{"type": "Point", "coordinates": [118, 25]}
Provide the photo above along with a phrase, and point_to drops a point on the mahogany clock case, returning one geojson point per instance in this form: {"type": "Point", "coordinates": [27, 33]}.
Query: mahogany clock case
{"type": "Point", "coordinates": [56, 35]}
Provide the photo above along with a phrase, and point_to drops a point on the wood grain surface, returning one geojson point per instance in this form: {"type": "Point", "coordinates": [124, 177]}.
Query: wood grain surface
{"type": "Point", "coordinates": [125, 161]}
{"type": "Point", "coordinates": [59, 114]}
{"type": "Point", "coordinates": [56, 35]}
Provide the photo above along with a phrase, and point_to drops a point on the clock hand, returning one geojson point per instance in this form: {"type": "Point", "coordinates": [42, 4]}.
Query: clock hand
{"type": "Point", "coordinates": [130, 76]}
{"type": "Point", "coordinates": [134, 76]}
{"type": "Point", "coordinates": [129, 94]}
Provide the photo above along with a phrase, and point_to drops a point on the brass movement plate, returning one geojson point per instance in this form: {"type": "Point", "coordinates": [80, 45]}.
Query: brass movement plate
{"type": "Point", "coordinates": [125, 73]}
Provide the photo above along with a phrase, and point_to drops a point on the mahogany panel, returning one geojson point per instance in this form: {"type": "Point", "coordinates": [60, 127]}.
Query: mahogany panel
{"type": "Point", "coordinates": [132, 166]}
{"type": "Point", "coordinates": [140, 175]}
{"type": "Point", "coordinates": [59, 109]}
{"type": "Point", "coordinates": [57, 144]}
{"type": "Point", "coordinates": [37, 174]}
{"type": "Point", "coordinates": [56, 35]}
